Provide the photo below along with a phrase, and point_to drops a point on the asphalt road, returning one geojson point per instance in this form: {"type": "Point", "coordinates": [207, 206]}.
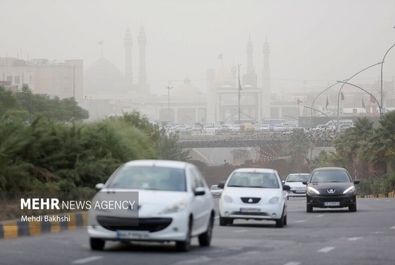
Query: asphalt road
{"type": "Point", "coordinates": [323, 237]}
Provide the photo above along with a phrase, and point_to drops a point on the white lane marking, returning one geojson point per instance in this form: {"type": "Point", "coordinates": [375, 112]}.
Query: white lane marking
{"type": "Point", "coordinates": [378, 232]}
{"type": "Point", "coordinates": [393, 227]}
{"type": "Point", "coordinates": [354, 238]}
{"type": "Point", "coordinates": [86, 260]}
{"type": "Point", "coordinates": [200, 260]}
{"type": "Point", "coordinates": [300, 221]}
{"type": "Point", "coordinates": [326, 249]}
{"type": "Point", "coordinates": [241, 231]}
{"type": "Point", "coordinates": [320, 215]}
{"type": "Point", "coordinates": [292, 263]}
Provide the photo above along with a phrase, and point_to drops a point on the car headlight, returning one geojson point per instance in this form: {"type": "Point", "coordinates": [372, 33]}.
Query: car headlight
{"type": "Point", "coordinates": [312, 190]}
{"type": "Point", "coordinates": [349, 190]}
{"type": "Point", "coordinates": [227, 198]}
{"type": "Point", "coordinates": [177, 207]}
{"type": "Point", "coordinates": [274, 200]}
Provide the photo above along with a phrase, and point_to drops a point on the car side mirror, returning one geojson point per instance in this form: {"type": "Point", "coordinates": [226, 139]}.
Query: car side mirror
{"type": "Point", "coordinates": [221, 185]}
{"type": "Point", "coordinates": [357, 181]}
{"type": "Point", "coordinates": [286, 188]}
{"type": "Point", "coordinates": [304, 182]}
{"type": "Point", "coordinates": [199, 191]}
{"type": "Point", "coordinates": [99, 186]}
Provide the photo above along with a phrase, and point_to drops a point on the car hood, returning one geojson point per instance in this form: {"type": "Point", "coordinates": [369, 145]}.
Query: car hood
{"type": "Point", "coordinates": [295, 184]}
{"type": "Point", "coordinates": [150, 202]}
{"type": "Point", "coordinates": [265, 194]}
{"type": "Point", "coordinates": [324, 188]}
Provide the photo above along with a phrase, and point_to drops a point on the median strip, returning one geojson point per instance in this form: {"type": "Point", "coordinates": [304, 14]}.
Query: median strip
{"type": "Point", "coordinates": [18, 228]}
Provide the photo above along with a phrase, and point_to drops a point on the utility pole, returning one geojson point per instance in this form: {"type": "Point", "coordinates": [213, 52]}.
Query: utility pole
{"type": "Point", "coordinates": [168, 100]}
{"type": "Point", "coordinates": [239, 93]}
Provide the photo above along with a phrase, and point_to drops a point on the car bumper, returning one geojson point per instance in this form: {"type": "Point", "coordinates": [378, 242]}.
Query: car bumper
{"type": "Point", "coordinates": [321, 201]}
{"type": "Point", "coordinates": [154, 228]}
{"type": "Point", "coordinates": [292, 193]}
{"type": "Point", "coordinates": [242, 211]}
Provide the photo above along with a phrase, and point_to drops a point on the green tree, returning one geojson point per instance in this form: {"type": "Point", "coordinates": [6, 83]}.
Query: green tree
{"type": "Point", "coordinates": [299, 146]}
{"type": "Point", "coordinates": [382, 145]}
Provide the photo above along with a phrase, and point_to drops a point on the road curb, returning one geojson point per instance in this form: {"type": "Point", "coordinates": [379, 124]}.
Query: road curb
{"type": "Point", "coordinates": [16, 228]}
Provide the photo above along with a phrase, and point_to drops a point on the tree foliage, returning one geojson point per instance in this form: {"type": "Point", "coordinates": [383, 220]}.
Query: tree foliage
{"type": "Point", "coordinates": [42, 152]}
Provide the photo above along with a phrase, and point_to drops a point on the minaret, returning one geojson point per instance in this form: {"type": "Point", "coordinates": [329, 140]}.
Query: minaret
{"type": "Point", "coordinates": [128, 59]}
{"type": "Point", "coordinates": [142, 67]}
{"type": "Point", "coordinates": [266, 90]}
{"type": "Point", "coordinates": [250, 77]}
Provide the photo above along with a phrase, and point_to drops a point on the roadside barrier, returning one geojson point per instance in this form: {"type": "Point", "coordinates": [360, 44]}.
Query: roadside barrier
{"type": "Point", "coordinates": [17, 228]}
{"type": "Point", "coordinates": [381, 195]}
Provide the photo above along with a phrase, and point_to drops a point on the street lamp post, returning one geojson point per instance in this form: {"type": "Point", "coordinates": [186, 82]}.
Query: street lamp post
{"type": "Point", "coordinates": [381, 78]}
{"type": "Point", "coordinates": [364, 90]}
{"type": "Point", "coordinates": [341, 88]}
{"type": "Point", "coordinates": [239, 94]}
{"type": "Point", "coordinates": [168, 101]}
{"type": "Point", "coordinates": [317, 110]}
{"type": "Point", "coordinates": [316, 97]}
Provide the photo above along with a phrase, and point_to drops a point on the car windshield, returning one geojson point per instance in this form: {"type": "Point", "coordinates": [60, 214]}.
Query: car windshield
{"type": "Point", "coordinates": [149, 178]}
{"type": "Point", "coordinates": [253, 180]}
{"type": "Point", "coordinates": [330, 176]}
{"type": "Point", "coordinates": [298, 177]}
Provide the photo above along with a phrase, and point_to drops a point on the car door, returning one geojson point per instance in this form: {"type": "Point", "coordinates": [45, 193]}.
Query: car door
{"type": "Point", "coordinates": [201, 206]}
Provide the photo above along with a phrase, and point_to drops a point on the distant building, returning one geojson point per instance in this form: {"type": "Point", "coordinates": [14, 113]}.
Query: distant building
{"type": "Point", "coordinates": [223, 91]}
{"type": "Point", "coordinates": [61, 79]}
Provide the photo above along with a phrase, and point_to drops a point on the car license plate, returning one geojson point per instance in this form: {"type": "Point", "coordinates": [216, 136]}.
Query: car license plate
{"type": "Point", "coordinates": [331, 203]}
{"type": "Point", "coordinates": [133, 234]}
{"type": "Point", "coordinates": [249, 210]}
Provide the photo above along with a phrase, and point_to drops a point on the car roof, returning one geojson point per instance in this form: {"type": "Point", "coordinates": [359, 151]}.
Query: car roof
{"type": "Point", "coordinates": [330, 168]}
{"type": "Point", "coordinates": [161, 163]}
{"type": "Point", "coordinates": [263, 170]}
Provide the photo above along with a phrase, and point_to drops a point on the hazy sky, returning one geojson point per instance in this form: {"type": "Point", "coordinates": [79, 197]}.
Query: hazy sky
{"type": "Point", "coordinates": [313, 40]}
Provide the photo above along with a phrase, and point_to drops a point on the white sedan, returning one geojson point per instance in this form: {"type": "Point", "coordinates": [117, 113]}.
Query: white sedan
{"type": "Point", "coordinates": [253, 193]}
{"type": "Point", "coordinates": [295, 182]}
{"type": "Point", "coordinates": [174, 204]}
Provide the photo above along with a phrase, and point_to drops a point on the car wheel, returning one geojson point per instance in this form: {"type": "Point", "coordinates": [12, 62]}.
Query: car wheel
{"type": "Point", "coordinates": [353, 208]}
{"type": "Point", "coordinates": [223, 221]}
{"type": "Point", "coordinates": [97, 243]}
{"type": "Point", "coordinates": [185, 245]}
{"type": "Point", "coordinates": [205, 238]}
{"type": "Point", "coordinates": [309, 208]}
{"type": "Point", "coordinates": [285, 219]}
{"type": "Point", "coordinates": [281, 222]}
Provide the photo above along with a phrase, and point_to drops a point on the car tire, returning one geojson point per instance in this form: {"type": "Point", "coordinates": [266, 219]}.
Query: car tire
{"type": "Point", "coordinates": [223, 221]}
{"type": "Point", "coordinates": [185, 245]}
{"type": "Point", "coordinates": [309, 208]}
{"type": "Point", "coordinates": [353, 208]}
{"type": "Point", "coordinates": [281, 222]}
{"type": "Point", "coordinates": [205, 238]}
{"type": "Point", "coordinates": [96, 243]}
{"type": "Point", "coordinates": [285, 220]}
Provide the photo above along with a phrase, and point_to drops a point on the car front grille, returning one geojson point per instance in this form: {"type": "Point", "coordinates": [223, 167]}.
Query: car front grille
{"type": "Point", "coordinates": [250, 213]}
{"type": "Point", "coordinates": [133, 224]}
{"type": "Point", "coordinates": [250, 200]}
